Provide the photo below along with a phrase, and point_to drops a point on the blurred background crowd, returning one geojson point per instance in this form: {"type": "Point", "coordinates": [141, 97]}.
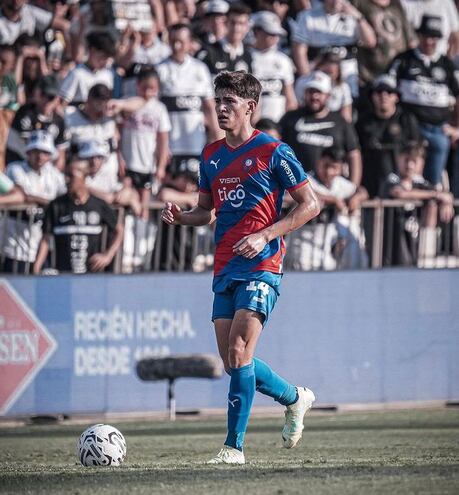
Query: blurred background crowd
{"type": "Point", "coordinates": [105, 107]}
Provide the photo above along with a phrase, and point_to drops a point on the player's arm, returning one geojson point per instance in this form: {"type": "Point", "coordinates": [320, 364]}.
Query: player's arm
{"type": "Point", "coordinates": [202, 214]}
{"type": "Point", "coordinates": [307, 207]}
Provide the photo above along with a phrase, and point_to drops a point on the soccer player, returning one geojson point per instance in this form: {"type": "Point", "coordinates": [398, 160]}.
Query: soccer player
{"type": "Point", "coordinates": [243, 178]}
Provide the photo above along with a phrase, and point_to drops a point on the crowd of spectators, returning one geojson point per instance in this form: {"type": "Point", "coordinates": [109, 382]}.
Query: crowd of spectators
{"type": "Point", "coordinates": [91, 114]}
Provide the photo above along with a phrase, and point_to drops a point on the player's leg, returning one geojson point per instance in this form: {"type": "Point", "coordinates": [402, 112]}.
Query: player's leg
{"type": "Point", "coordinates": [262, 298]}
{"type": "Point", "coordinates": [236, 340]}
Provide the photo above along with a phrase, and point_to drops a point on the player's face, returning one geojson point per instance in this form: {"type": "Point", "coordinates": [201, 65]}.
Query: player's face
{"type": "Point", "coordinates": [232, 110]}
{"type": "Point", "coordinates": [315, 100]}
{"type": "Point", "coordinates": [148, 88]}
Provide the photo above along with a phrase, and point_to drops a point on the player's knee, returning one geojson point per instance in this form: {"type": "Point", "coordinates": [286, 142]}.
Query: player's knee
{"type": "Point", "coordinates": [236, 355]}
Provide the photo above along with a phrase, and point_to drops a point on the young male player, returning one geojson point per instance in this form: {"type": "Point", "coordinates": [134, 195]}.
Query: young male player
{"type": "Point", "coordinates": [242, 182]}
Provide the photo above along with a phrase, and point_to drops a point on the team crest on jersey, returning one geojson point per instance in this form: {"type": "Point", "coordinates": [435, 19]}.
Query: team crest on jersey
{"type": "Point", "coordinates": [249, 163]}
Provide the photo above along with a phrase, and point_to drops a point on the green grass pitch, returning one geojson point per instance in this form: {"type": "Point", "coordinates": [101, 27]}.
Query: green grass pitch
{"type": "Point", "coordinates": [402, 452]}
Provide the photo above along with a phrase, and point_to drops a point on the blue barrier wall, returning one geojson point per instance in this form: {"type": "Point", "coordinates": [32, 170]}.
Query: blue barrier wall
{"type": "Point", "coordinates": [370, 336]}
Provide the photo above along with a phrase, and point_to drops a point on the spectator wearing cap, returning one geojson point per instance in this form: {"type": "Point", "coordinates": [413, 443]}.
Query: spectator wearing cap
{"type": "Point", "coordinates": [333, 23]}
{"type": "Point", "coordinates": [77, 221]}
{"type": "Point", "coordinates": [271, 67]}
{"type": "Point", "coordinates": [18, 17]}
{"type": "Point", "coordinates": [341, 96]}
{"type": "Point", "coordinates": [448, 44]}
{"type": "Point", "coordinates": [41, 113]}
{"type": "Point", "coordinates": [230, 53]}
{"type": "Point", "coordinates": [103, 182]}
{"type": "Point", "coordinates": [36, 181]}
{"type": "Point", "coordinates": [394, 33]}
{"type": "Point", "coordinates": [384, 130]}
{"type": "Point", "coordinates": [312, 127]}
{"type": "Point", "coordinates": [93, 121]}
{"type": "Point", "coordinates": [429, 88]}
{"type": "Point", "coordinates": [214, 21]}
{"type": "Point", "coordinates": [96, 70]}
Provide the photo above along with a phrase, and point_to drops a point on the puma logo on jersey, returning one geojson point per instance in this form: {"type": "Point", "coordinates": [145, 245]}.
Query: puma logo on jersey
{"type": "Point", "coordinates": [213, 162]}
{"type": "Point", "coordinates": [233, 402]}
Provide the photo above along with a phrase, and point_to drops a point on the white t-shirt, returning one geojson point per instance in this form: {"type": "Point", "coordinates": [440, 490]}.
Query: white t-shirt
{"type": "Point", "coordinates": [445, 9]}
{"type": "Point", "coordinates": [76, 85]}
{"type": "Point", "coordinates": [106, 179]}
{"type": "Point", "coordinates": [21, 240]}
{"type": "Point", "coordinates": [273, 69]}
{"type": "Point", "coordinates": [318, 29]}
{"type": "Point", "coordinates": [153, 54]}
{"type": "Point", "coordinates": [81, 130]}
{"type": "Point", "coordinates": [183, 89]}
{"type": "Point", "coordinates": [138, 136]}
{"type": "Point", "coordinates": [340, 187]}
{"type": "Point", "coordinates": [32, 18]}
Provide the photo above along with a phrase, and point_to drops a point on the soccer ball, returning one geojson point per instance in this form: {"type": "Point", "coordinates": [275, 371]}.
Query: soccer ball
{"type": "Point", "coordinates": [101, 445]}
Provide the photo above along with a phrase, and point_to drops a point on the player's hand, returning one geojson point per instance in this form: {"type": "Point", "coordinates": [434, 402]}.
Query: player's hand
{"type": "Point", "coordinates": [99, 261]}
{"type": "Point", "coordinates": [250, 245]}
{"type": "Point", "coordinates": [171, 214]}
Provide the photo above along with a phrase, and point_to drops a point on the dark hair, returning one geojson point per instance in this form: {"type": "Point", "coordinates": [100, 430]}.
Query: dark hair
{"type": "Point", "coordinates": [147, 73]}
{"type": "Point", "coordinates": [240, 83]}
{"type": "Point", "coordinates": [100, 91]}
{"type": "Point", "coordinates": [179, 26]}
{"type": "Point", "coordinates": [414, 148]}
{"type": "Point", "coordinates": [327, 57]}
{"type": "Point", "coordinates": [335, 154]}
{"type": "Point", "coordinates": [8, 48]}
{"type": "Point", "coordinates": [102, 42]}
{"type": "Point", "coordinates": [239, 9]}
{"type": "Point", "coordinates": [268, 125]}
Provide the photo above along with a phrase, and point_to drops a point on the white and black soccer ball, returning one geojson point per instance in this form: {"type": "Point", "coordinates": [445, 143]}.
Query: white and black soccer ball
{"type": "Point", "coordinates": [101, 445]}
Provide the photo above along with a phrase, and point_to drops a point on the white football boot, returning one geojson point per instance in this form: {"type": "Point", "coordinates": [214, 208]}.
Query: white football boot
{"type": "Point", "coordinates": [228, 455]}
{"type": "Point", "coordinates": [293, 428]}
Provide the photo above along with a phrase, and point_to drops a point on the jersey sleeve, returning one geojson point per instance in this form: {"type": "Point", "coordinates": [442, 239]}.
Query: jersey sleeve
{"type": "Point", "coordinates": [48, 221]}
{"type": "Point", "coordinates": [204, 183]}
{"type": "Point", "coordinates": [108, 216]}
{"type": "Point", "coordinates": [287, 168]}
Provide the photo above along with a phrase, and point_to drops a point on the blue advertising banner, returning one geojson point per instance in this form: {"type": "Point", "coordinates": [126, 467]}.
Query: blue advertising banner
{"type": "Point", "coordinates": [70, 344]}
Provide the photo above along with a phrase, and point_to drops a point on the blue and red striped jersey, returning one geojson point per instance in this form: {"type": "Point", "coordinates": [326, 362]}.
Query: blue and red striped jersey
{"type": "Point", "coordinates": [247, 184]}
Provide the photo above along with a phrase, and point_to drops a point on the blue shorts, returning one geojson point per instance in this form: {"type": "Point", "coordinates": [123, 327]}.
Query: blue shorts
{"type": "Point", "coordinates": [253, 295]}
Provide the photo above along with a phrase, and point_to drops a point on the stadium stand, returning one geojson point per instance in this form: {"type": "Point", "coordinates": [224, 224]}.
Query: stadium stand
{"type": "Point", "coordinates": [366, 93]}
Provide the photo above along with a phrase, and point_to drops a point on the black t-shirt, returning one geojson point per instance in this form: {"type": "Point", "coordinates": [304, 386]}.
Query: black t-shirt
{"type": "Point", "coordinates": [381, 141]}
{"type": "Point", "coordinates": [426, 88]}
{"type": "Point", "coordinates": [77, 230]}
{"type": "Point", "coordinates": [218, 59]}
{"type": "Point", "coordinates": [28, 119]}
{"type": "Point", "coordinates": [309, 135]}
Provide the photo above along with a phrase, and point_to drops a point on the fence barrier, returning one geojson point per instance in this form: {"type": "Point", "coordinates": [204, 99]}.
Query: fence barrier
{"type": "Point", "coordinates": [383, 233]}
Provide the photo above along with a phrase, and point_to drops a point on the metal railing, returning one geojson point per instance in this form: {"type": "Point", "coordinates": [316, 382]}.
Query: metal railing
{"type": "Point", "coordinates": [370, 239]}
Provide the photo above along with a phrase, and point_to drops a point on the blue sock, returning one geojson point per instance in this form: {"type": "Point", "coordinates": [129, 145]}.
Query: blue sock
{"type": "Point", "coordinates": [240, 399]}
{"type": "Point", "coordinates": [271, 384]}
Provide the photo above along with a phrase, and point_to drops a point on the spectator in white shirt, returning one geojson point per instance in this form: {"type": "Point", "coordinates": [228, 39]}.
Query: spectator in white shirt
{"type": "Point", "coordinates": [36, 181]}
{"type": "Point", "coordinates": [271, 67]}
{"type": "Point", "coordinates": [335, 23]}
{"type": "Point", "coordinates": [145, 139]}
{"type": "Point", "coordinates": [18, 17]}
{"type": "Point", "coordinates": [96, 70]}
